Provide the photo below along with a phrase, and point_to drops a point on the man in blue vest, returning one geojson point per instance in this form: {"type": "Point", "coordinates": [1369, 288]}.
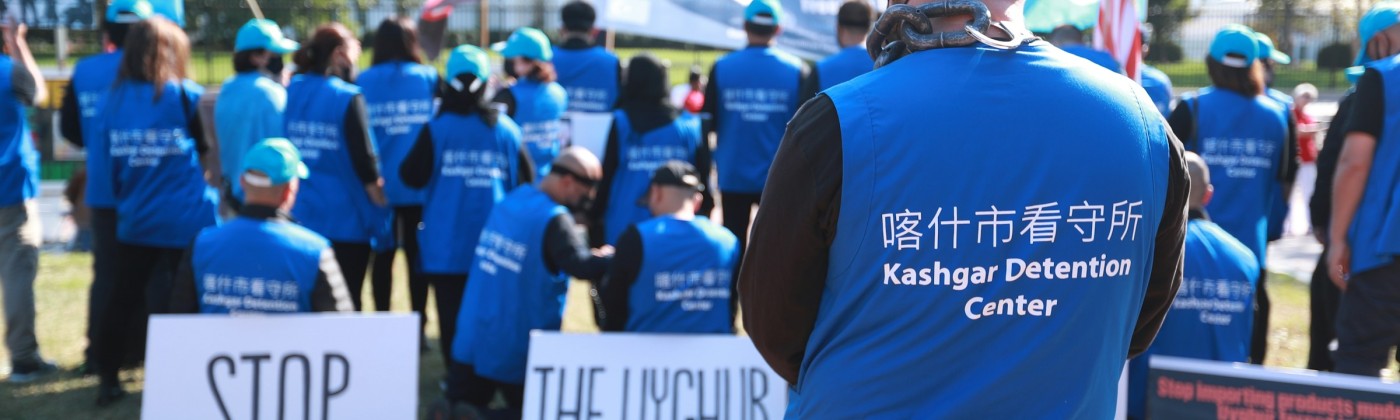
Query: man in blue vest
{"type": "Point", "coordinates": [250, 104]}
{"type": "Point", "coordinates": [852, 24]}
{"type": "Point", "coordinates": [21, 85]}
{"type": "Point", "coordinates": [752, 94]}
{"type": "Point", "coordinates": [1365, 242]}
{"type": "Point", "coordinates": [528, 250]}
{"type": "Point", "coordinates": [671, 274]}
{"type": "Point", "coordinates": [591, 74]}
{"type": "Point", "coordinates": [1269, 57]}
{"type": "Point", "coordinates": [1071, 39]}
{"type": "Point", "coordinates": [905, 264]}
{"type": "Point", "coordinates": [1211, 315]}
{"type": "Point", "coordinates": [78, 119]}
{"type": "Point", "coordinates": [262, 261]}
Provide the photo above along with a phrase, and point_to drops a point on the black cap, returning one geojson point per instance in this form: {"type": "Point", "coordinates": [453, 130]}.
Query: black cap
{"type": "Point", "coordinates": [674, 173]}
{"type": "Point", "coordinates": [578, 16]}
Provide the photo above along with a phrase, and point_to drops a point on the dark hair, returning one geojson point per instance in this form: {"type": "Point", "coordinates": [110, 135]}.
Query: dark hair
{"type": "Point", "coordinates": [116, 32]}
{"type": "Point", "coordinates": [243, 60]}
{"type": "Point", "coordinates": [695, 74]}
{"type": "Point", "coordinates": [159, 53]}
{"type": "Point", "coordinates": [1248, 81]}
{"type": "Point", "coordinates": [315, 55]}
{"type": "Point", "coordinates": [855, 15]}
{"type": "Point", "coordinates": [467, 101]}
{"type": "Point", "coordinates": [396, 40]}
{"type": "Point", "coordinates": [578, 16]}
{"type": "Point", "coordinates": [542, 73]}
{"type": "Point", "coordinates": [760, 30]}
{"type": "Point", "coordinates": [648, 84]}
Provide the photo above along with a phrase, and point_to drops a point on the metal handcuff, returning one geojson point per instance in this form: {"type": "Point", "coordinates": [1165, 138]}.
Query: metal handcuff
{"type": "Point", "coordinates": [904, 29]}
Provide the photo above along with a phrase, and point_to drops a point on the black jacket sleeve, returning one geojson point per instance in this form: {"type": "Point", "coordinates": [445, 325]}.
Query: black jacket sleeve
{"type": "Point", "coordinates": [1288, 162]}
{"type": "Point", "coordinates": [709, 112]}
{"type": "Point", "coordinates": [1368, 110]}
{"type": "Point", "coordinates": [566, 250]}
{"type": "Point", "coordinates": [1320, 205]}
{"type": "Point", "coordinates": [359, 143]}
{"type": "Point", "coordinates": [622, 274]}
{"type": "Point", "coordinates": [1183, 122]}
{"type": "Point", "coordinates": [183, 297]}
{"type": "Point", "coordinates": [417, 168]}
{"type": "Point", "coordinates": [70, 122]}
{"type": "Point", "coordinates": [525, 167]}
{"type": "Point", "coordinates": [785, 265]}
{"type": "Point", "coordinates": [506, 97]}
{"type": "Point", "coordinates": [1170, 244]}
{"type": "Point", "coordinates": [704, 166]}
{"type": "Point", "coordinates": [330, 294]}
{"type": "Point", "coordinates": [596, 236]}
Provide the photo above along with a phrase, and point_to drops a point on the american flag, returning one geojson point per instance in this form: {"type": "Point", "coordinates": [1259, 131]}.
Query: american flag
{"type": "Point", "coordinates": [1119, 33]}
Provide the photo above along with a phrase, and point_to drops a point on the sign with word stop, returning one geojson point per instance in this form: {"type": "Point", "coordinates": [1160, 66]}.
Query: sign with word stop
{"type": "Point", "coordinates": [304, 366]}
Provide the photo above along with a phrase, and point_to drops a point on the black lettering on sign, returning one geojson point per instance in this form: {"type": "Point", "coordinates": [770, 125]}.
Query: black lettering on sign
{"type": "Point", "coordinates": [560, 412]}
{"type": "Point", "coordinates": [543, 371]}
{"type": "Point", "coordinates": [326, 382]}
{"type": "Point", "coordinates": [626, 375]}
{"type": "Point", "coordinates": [592, 376]}
{"type": "Point", "coordinates": [256, 360]}
{"type": "Point", "coordinates": [657, 397]}
{"type": "Point", "coordinates": [305, 386]}
{"type": "Point", "coordinates": [676, 386]}
{"type": "Point", "coordinates": [756, 398]}
{"type": "Point", "coordinates": [721, 376]}
{"type": "Point", "coordinates": [215, 387]}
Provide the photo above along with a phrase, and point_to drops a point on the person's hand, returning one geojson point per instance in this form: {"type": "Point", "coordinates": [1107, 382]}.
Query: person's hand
{"type": "Point", "coordinates": [1339, 264]}
{"type": "Point", "coordinates": [604, 251]}
{"type": "Point", "coordinates": [376, 193]}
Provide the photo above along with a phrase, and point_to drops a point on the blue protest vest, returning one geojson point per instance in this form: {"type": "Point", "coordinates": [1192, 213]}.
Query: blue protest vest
{"type": "Point", "coordinates": [162, 198]}
{"type": "Point", "coordinates": [639, 154]}
{"type": "Point", "coordinates": [92, 78]}
{"type": "Point", "coordinates": [1242, 140]}
{"type": "Point", "coordinates": [399, 95]}
{"type": "Point", "coordinates": [1013, 296]}
{"type": "Point", "coordinates": [476, 166]}
{"type": "Point", "coordinates": [845, 65]}
{"type": "Point", "coordinates": [249, 109]}
{"type": "Point", "coordinates": [332, 201]}
{"type": "Point", "coordinates": [1213, 311]}
{"type": "Point", "coordinates": [1158, 87]}
{"type": "Point", "coordinates": [590, 77]}
{"type": "Point", "coordinates": [538, 110]}
{"type": "Point", "coordinates": [256, 266]}
{"type": "Point", "coordinates": [1375, 231]}
{"type": "Point", "coordinates": [1103, 59]}
{"type": "Point", "coordinates": [19, 161]}
{"type": "Point", "coordinates": [683, 284]}
{"type": "Point", "coordinates": [511, 291]}
{"type": "Point", "coordinates": [758, 89]}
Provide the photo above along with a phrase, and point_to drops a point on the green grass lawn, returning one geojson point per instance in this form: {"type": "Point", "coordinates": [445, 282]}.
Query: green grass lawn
{"type": "Point", "coordinates": [62, 290]}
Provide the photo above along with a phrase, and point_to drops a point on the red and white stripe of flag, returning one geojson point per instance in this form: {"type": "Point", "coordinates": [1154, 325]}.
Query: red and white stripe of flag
{"type": "Point", "coordinates": [1118, 32]}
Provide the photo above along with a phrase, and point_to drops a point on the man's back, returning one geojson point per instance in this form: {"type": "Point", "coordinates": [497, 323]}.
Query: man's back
{"type": "Point", "coordinates": [252, 265]}
{"type": "Point", "coordinates": [980, 255]}
{"type": "Point", "coordinates": [759, 90]}
{"type": "Point", "coordinates": [249, 108]}
{"type": "Point", "coordinates": [590, 75]}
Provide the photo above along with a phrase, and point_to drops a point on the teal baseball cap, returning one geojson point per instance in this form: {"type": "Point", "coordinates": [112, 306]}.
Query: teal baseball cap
{"type": "Point", "coordinates": [468, 59]}
{"type": "Point", "coordinates": [263, 34]}
{"type": "Point", "coordinates": [1381, 16]}
{"type": "Point", "coordinates": [1236, 40]}
{"type": "Point", "coordinates": [277, 160]}
{"type": "Point", "coordinates": [129, 11]}
{"type": "Point", "coordinates": [771, 8]}
{"type": "Point", "coordinates": [526, 42]}
{"type": "Point", "coordinates": [1267, 50]}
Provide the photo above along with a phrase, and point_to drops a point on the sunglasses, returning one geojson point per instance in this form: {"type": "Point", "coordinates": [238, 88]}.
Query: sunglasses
{"type": "Point", "coordinates": [586, 181]}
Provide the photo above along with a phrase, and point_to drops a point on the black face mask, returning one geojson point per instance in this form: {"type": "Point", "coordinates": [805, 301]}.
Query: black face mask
{"type": "Point", "coordinates": [582, 205]}
{"type": "Point", "coordinates": [275, 64]}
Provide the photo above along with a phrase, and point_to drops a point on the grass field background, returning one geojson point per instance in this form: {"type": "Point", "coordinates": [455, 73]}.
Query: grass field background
{"type": "Point", "coordinates": [62, 290]}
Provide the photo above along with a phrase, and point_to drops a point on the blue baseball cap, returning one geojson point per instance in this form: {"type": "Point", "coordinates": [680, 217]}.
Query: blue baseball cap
{"type": "Point", "coordinates": [1235, 40]}
{"type": "Point", "coordinates": [277, 160]}
{"type": "Point", "coordinates": [468, 59]}
{"type": "Point", "coordinates": [771, 8]}
{"type": "Point", "coordinates": [1267, 50]}
{"type": "Point", "coordinates": [129, 11]}
{"type": "Point", "coordinates": [263, 34]}
{"type": "Point", "coordinates": [526, 42]}
{"type": "Point", "coordinates": [1381, 16]}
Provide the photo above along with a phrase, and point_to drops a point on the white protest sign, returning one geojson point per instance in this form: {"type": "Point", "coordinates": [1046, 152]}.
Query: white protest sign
{"type": "Point", "coordinates": [282, 366]}
{"type": "Point", "coordinates": [636, 376]}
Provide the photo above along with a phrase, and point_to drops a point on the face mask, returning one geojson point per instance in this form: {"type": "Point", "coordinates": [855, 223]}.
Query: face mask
{"type": "Point", "coordinates": [275, 64]}
{"type": "Point", "coordinates": [582, 205]}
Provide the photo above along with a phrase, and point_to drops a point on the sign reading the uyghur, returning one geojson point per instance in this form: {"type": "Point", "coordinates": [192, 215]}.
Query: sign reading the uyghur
{"type": "Point", "coordinates": [642, 376]}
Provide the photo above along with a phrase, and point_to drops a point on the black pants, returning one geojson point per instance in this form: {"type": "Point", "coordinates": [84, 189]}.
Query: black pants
{"type": "Point", "coordinates": [353, 259]}
{"type": "Point", "coordinates": [448, 290]}
{"type": "Point", "coordinates": [1259, 337]}
{"type": "Point", "coordinates": [144, 276]}
{"type": "Point", "coordinates": [738, 210]}
{"type": "Point", "coordinates": [464, 385]}
{"type": "Point", "coordinates": [1368, 321]}
{"type": "Point", "coordinates": [104, 248]}
{"type": "Point", "coordinates": [406, 220]}
{"type": "Point", "coordinates": [1323, 300]}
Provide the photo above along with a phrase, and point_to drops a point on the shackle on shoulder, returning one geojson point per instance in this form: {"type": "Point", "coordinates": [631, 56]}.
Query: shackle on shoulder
{"type": "Point", "coordinates": [904, 29]}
